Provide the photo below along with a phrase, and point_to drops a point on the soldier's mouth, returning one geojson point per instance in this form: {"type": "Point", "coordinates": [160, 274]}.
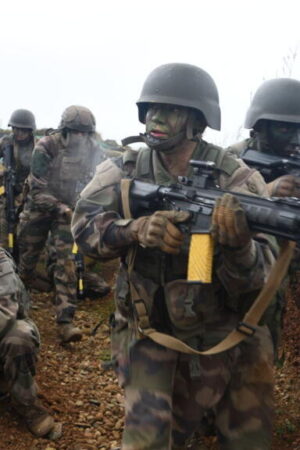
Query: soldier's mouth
{"type": "Point", "coordinates": [158, 134]}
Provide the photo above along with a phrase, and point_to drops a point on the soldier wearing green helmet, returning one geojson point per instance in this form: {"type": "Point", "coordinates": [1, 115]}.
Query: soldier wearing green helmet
{"type": "Point", "coordinates": [274, 120]}
{"type": "Point", "coordinates": [62, 164]}
{"type": "Point", "coordinates": [19, 144]}
{"type": "Point", "coordinates": [168, 392]}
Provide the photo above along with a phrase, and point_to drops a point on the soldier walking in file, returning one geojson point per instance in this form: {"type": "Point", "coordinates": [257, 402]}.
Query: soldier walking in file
{"type": "Point", "coordinates": [168, 392]}
{"type": "Point", "coordinates": [15, 153]}
{"type": "Point", "coordinates": [274, 120]}
{"type": "Point", "coordinates": [62, 164]}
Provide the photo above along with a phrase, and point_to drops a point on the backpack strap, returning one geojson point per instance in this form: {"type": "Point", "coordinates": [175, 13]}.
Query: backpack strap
{"type": "Point", "coordinates": [222, 160]}
{"type": "Point", "coordinates": [144, 169]}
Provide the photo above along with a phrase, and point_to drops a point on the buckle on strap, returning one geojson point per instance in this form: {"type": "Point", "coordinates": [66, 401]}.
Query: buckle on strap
{"type": "Point", "coordinates": [245, 328]}
{"type": "Point", "coordinates": [142, 314]}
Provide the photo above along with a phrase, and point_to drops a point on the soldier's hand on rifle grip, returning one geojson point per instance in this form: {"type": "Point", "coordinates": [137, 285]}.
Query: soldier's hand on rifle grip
{"type": "Point", "coordinates": [229, 223]}
{"type": "Point", "coordinates": [285, 186]}
{"type": "Point", "coordinates": [159, 230]}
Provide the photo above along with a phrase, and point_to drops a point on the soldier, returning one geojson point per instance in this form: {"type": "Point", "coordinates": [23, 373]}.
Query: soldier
{"type": "Point", "coordinates": [274, 120]}
{"type": "Point", "coordinates": [62, 164]}
{"type": "Point", "coordinates": [20, 143]}
{"type": "Point", "coordinates": [168, 392]}
{"type": "Point", "coordinates": [19, 344]}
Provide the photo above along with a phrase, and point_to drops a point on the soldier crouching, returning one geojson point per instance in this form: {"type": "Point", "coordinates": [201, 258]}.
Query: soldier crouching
{"type": "Point", "coordinates": [19, 345]}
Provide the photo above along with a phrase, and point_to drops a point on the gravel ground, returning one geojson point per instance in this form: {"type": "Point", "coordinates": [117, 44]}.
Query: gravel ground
{"type": "Point", "coordinates": [87, 400]}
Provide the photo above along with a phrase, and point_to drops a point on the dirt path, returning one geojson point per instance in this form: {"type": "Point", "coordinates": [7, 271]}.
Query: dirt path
{"type": "Point", "coordinates": [87, 400]}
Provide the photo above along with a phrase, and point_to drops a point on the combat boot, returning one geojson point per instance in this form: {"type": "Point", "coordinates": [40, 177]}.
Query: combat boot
{"type": "Point", "coordinates": [38, 420]}
{"type": "Point", "coordinates": [68, 333]}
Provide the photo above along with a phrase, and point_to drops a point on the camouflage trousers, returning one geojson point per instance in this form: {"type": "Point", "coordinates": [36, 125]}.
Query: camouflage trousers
{"type": "Point", "coordinates": [18, 355]}
{"type": "Point", "coordinates": [166, 398]}
{"type": "Point", "coordinates": [92, 281]}
{"type": "Point", "coordinates": [33, 231]}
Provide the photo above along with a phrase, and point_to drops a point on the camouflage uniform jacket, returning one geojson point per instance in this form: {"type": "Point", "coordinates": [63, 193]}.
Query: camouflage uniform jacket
{"type": "Point", "coordinates": [14, 301]}
{"type": "Point", "coordinates": [22, 158]}
{"type": "Point", "coordinates": [185, 310]}
{"type": "Point", "coordinates": [59, 172]}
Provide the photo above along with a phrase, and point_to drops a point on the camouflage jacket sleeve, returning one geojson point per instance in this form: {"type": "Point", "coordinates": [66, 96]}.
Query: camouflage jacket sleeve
{"type": "Point", "coordinates": [96, 209]}
{"type": "Point", "coordinates": [246, 269]}
{"type": "Point", "coordinates": [14, 301]}
{"type": "Point", "coordinates": [40, 195]}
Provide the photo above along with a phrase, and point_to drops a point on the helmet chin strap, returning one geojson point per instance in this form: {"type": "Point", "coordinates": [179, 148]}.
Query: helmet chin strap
{"type": "Point", "coordinates": [167, 145]}
{"type": "Point", "coordinates": [164, 145]}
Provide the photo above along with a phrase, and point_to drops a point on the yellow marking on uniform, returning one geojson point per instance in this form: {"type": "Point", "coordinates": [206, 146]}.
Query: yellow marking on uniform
{"type": "Point", "coordinates": [75, 249]}
{"type": "Point", "coordinates": [2, 190]}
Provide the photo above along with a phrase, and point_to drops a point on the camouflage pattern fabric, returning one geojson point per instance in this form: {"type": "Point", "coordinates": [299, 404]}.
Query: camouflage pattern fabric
{"type": "Point", "coordinates": [164, 398]}
{"type": "Point", "coordinates": [19, 337]}
{"type": "Point", "coordinates": [22, 158]}
{"type": "Point", "coordinates": [167, 393]}
{"type": "Point", "coordinates": [59, 171]}
{"type": "Point", "coordinates": [93, 283]}
{"type": "Point", "coordinates": [33, 233]}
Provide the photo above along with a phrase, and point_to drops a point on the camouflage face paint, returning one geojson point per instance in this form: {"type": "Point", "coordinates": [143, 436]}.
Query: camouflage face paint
{"type": "Point", "coordinates": [21, 134]}
{"type": "Point", "coordinates": [166, 121]}
{"type": "Point", "coordinates": [284, 137]}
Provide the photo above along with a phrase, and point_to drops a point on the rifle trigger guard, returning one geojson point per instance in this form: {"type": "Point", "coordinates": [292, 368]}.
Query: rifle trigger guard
{"type": "Point", "coordinates": [246, 329]}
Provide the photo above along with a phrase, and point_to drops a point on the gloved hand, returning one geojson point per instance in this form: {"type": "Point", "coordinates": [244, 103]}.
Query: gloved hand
{"type": "Point", "coordinates": [285, 186]}
{"type": "Point", "coordinates": [159, 231]}
{"type": "Point", "coordinates": [229, 223]}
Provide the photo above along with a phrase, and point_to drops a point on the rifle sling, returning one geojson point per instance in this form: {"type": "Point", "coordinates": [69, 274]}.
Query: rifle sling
{"type": "Point", "coordinates": [245, 328]}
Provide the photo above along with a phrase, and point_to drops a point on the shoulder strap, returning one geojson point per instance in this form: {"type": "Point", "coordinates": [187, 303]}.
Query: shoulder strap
{"type": "Point", "coordinates": [219, 156]}
{"type": "Point", "coordinates": [144, 164]}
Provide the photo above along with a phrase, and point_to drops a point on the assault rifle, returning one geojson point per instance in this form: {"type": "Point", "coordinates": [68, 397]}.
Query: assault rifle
{"type": "Point", "coordinates": [276, 216]}
{"type": "Point", "coordinates": [9, 190]}
{"type": "Point", "coordinates": [272, 166]}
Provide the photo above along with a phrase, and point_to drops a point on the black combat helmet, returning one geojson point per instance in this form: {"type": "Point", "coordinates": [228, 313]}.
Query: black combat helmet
{"type": "Point", "coordinates": [78, 118]}
{"type": "Point", "coordinates": [22, 118]}
{"type": "Point", "coordinates": [182, 85]}
{"type": "Point", "coordinates": [277, 99]}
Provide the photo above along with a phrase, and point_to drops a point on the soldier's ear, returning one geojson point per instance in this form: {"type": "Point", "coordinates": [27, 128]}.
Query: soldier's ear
{"type": "Point", "coordinates": [196, 125]}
